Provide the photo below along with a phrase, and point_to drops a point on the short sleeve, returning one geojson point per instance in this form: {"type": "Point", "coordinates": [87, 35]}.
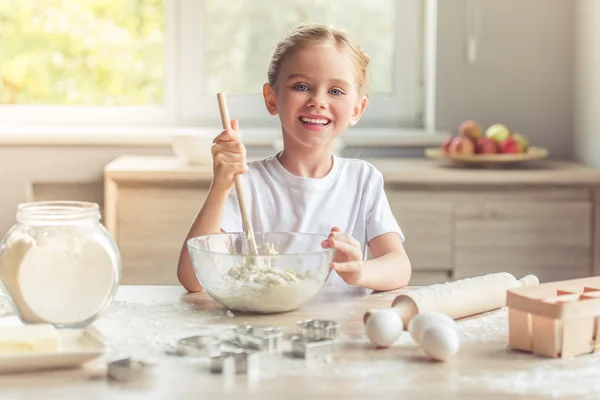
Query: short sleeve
{"type": "Point", "coordinates": [232, 220]}
{"type": "Point", "coordinates": [379, 218]}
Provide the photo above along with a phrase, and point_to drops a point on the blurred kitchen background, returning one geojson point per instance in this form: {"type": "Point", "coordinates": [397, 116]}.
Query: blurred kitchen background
{"type": "Point", "coordinates": [83, 82]}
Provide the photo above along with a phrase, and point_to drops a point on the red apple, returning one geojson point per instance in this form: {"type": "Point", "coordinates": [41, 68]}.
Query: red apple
{"type": "Point", "coordinates": [462, 145]}
{"type": "Point", "coordinates": [486, 145]}
{"type": "Point", "coordinates": [511, 146]}
{"type": "Point", "coordinates": [470, 129]}
{"type": "Point", "coordinates": [446, 145]}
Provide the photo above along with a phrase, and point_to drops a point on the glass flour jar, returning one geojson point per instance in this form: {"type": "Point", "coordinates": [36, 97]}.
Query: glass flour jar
{"type": "Point", "coordinates": [58, 264]}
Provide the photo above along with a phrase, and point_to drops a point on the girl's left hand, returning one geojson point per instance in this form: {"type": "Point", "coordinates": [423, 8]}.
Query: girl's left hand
{"type": "Point", "coordinates": [348, 260]}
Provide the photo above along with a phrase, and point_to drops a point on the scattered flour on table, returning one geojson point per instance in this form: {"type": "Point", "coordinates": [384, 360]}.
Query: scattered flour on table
{"type": "Point", "coordinates": [6, 308]}
{"type": "Point", "coordinates": [147, 330]}
{"type": "Point", "coordinates": [521, 372]}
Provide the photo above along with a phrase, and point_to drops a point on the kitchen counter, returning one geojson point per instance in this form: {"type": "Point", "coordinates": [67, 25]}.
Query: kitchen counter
{"type": "Point", "coordinates": [396, 170]}
{"type": "Point", "coordinates": [145, 321]}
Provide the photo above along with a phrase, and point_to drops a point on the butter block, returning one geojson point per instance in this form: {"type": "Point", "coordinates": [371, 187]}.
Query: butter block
{"type": "Point", "coordinates": [27, 339]}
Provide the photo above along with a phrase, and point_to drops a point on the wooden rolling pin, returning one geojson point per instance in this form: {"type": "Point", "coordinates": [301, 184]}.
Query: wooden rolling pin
{"type": "Point", "coordinates": [460, 298]}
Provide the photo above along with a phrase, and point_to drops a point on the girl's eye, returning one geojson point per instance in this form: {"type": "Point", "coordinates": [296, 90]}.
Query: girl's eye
{"type": "Point", "coordinates": [300, 87]}
{"type": "Point", "coordinates": [336, 92]}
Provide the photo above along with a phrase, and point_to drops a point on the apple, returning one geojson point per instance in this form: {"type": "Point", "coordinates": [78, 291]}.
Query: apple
{"type": "Point", "coordinates": [470, 129]}
{"type": "Point", "coordinates": [510, 145]}
{"type": "Point", "coordinates": [446, 145]}
{"type": "Point", "coordinates": [462, 145]}
{"type": "Point", "coordinates": [522, 140]}
{"type": "Point", "coordinates": [485, 145]}
{"type": "Point", "coordinates": [498, 132]}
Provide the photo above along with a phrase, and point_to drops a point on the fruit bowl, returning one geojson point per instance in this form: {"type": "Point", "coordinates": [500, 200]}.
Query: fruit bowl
{"type": "Point", "coordinates": [290, 270]}
{"type": "Point", "coordinates": [497, 147]}
{"type": "Point", "coordinates": [487, 160]}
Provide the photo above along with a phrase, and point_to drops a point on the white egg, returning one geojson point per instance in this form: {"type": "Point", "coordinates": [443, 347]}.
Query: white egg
{"type": "Point", "coordinates": [420, 322]}
{"type": "Point", "coordinates": [384, 327]}
{"type": "Point", "coordinates": [440, 341]}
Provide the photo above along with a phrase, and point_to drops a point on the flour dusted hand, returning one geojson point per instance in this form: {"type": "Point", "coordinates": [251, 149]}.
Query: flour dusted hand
{"type": "Point", "coordinates": [348, 260]}
{"type": "Point", "coordinates": [229, 157]}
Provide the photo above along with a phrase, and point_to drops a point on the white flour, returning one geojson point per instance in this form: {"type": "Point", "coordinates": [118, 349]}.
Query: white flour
{"type": "Point", "coordinates": [60, 277]}
{"type": "Point", "coordinates": [264, 289]}
{"type": "Point", "coordinates": [267, 299]}
{"type": "Point", "coordinates": [258, 286]}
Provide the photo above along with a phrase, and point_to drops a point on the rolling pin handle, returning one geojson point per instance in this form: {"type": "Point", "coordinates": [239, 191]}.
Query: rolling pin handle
{"type": "Point", "coordinates": [368, 314]}
{"type": "Point", "coordinates": [529, 281]}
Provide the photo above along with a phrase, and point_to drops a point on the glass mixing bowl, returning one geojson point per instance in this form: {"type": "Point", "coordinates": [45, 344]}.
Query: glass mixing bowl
{"type": "Point", "coordinates": [291, 269]}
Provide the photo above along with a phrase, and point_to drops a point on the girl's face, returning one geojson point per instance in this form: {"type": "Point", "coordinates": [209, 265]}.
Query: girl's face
{"type": "Point", "coordinates": [316, 96]}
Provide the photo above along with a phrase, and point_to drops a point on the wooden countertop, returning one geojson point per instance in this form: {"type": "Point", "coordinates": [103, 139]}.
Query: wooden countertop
{"type": "Point", "coordinates": [396, 171]}
{"type": "Point", "coordinates": [145, 321]}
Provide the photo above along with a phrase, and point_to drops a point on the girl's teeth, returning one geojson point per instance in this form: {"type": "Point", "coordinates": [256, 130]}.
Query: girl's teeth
{"type": "Point", "coordinates": [314, 120]}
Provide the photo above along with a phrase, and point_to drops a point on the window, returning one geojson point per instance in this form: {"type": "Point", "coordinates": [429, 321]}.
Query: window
{"type": "Point", "coordinates": [78, 61]}
{"type": "Point", "coordinates": [158, 62]}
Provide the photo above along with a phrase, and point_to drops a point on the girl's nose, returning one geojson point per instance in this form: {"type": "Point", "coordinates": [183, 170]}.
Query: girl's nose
{"type": "Point", "coordinates": [317, 101]}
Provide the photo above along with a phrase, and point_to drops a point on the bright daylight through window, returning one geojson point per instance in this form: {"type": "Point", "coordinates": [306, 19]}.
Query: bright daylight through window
{"type": "Point", "coordinates": [162, 62]}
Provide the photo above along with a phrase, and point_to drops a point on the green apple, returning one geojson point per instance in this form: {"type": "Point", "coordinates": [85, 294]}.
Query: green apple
{"type": "Point", "coordinates": [498, 132]}
{"type": "Point", "coordinates": [521, 140]}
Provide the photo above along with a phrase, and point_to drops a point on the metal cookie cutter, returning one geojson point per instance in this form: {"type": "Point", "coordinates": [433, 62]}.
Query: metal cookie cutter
{"type": "Point", "coordinates": [302, 348]}
{"type": "Point", "coordinates": [128, 370]}
{"type": "Point", "coordinates": [259, 338]}
{"type": "Point", "coordinates": [233, 361]}
{"type": "Point", "coordinates": [315, 339]}
{"type": "Point", "coordinates": [318, 329]}
{"type": "Point", "coordinates": [198, 345]}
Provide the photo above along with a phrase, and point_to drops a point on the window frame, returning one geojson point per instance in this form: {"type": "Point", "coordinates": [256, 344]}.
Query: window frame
{"type": "Point", "coordinates": [185, 105]}
{"type": "Point", "coordinates": [387, 111]}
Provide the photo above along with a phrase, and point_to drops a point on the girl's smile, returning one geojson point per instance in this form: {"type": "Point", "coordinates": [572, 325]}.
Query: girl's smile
{"type": "Point", "coordinates": [314, 122]}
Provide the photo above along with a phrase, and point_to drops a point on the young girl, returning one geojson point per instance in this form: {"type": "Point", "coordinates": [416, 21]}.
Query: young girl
{"type": "Point", "coordinates": [318, 86]}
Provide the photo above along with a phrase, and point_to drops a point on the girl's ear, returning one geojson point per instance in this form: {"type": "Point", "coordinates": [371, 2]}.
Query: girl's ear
{"type": "Point", "coordinates": [269, 95]}
{"type": "Point", "coordinates": [358, 111]}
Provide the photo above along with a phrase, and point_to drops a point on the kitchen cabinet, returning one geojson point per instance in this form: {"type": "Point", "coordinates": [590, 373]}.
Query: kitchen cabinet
{"type": "Point", "coordinates": [458, 223]}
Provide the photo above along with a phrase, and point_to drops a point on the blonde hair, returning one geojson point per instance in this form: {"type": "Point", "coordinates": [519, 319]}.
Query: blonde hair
{"type": "Point", "coordinates": [310, 34]}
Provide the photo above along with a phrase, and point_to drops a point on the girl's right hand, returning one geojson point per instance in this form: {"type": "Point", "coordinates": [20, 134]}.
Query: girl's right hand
{"type": "Point", "coordinates": [229, 157]}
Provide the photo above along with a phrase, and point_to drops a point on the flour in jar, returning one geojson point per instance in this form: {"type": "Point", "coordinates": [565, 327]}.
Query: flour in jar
{"type": "Point", "coordinates": [58, 277]}
{"type": "Point", "coordinates": [257, 286]}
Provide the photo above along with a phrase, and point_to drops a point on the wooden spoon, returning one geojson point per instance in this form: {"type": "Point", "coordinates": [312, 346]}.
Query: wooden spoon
{"type": "Point", "coordinates": [246, 223]}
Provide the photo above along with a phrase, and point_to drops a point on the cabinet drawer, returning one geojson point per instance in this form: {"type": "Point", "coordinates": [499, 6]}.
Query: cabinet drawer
{"type": "Point", "coordinates": [153, 222]}
{"type": "Point", "coordinates": [547, 263]}
{"type": "Point", "coordinates": [427, 227]}
{"type": "Point", "coordinates": [524, 224]}
{"type": "Point", "coordinates": [549, 239]}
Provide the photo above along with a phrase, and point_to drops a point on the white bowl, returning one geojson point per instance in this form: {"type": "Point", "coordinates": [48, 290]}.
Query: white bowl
{"type": "Point", "coordinates": [193, 146]}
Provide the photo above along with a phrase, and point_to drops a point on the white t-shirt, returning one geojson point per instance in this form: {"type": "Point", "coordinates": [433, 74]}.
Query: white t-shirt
{"type": "Point", "coordinates": [351, 196]}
